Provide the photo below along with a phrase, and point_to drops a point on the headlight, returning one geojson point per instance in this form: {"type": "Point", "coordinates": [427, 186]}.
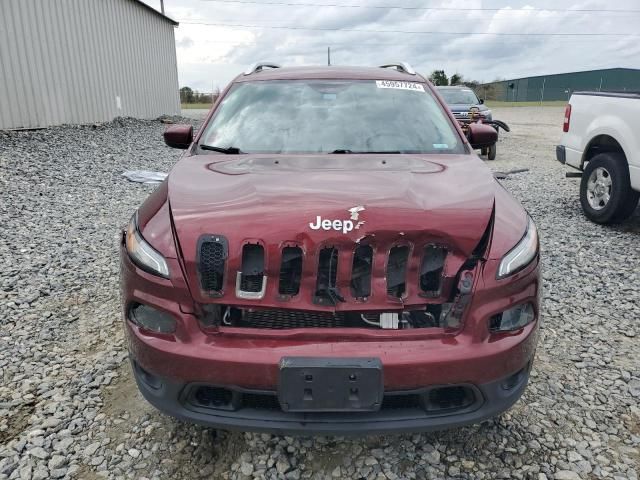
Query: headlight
{"type": "Point", "coordinates": [143, 254]}
{"type": "Point", "coordinates": [522, 254]}
{"type": "Point", "coordinates": [513, 319]}
{"type": "Point", "coordinates": [152, 319]}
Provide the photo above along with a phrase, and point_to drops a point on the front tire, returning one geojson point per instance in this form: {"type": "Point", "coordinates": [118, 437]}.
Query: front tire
{"type": "Point", "coordinates": [605, 189]}
{"type": "Point", "coordinates": [492, 151]}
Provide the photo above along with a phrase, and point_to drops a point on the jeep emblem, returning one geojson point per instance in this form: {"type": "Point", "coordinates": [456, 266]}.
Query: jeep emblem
{"type": "Point", "coordinates": [344, 226]}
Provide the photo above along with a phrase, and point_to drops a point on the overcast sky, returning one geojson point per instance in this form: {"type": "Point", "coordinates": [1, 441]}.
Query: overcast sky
{"type": "Point", "coordinates": [209, 56]}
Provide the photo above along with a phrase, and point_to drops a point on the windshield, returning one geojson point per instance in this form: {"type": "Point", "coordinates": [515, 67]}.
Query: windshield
{"type": "Point", "coordinates": [459, 97]}
{"type": "Point", "coordinates": [319, 116]}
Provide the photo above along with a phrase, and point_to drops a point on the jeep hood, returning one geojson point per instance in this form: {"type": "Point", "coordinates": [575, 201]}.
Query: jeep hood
{"type": "Point", "coordinates": [405, 199]}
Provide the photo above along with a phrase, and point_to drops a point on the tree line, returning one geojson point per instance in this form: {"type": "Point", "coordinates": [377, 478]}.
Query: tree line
{"type": "Point", "coordinates": [188, 95]}
{"type": "Point", "coordinates": [437, 77]}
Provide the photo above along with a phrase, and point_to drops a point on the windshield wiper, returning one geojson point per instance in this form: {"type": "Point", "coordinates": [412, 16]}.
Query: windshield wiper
{"type": "Point", "coordinates": [225, 150]}
{"type": "Point", "coordinates": [381, 152]}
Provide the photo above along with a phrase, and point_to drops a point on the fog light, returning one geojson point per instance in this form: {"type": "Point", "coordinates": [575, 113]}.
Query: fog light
{"type": "Point", "coordinates": [151, 319]}
{"type": "Point", "coordinates": [512, 319]}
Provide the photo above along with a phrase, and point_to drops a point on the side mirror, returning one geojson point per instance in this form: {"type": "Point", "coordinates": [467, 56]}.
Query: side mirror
{"type": "Point", "coordinates": [481, 135]}
{"type": "Point", "coordinates": [482, 101]}
{"type": "Point", "coordinates": [178, 136]}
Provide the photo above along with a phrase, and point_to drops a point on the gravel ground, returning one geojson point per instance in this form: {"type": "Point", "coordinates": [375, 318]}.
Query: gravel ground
{"type": "Point", "coordinates": [195, 113]}
{"type": "Point", "coordinates": [69, 407]}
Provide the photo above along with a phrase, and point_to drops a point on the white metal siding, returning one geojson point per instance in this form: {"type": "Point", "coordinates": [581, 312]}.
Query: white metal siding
{"type": "Point", "coordinates": [67, 61]}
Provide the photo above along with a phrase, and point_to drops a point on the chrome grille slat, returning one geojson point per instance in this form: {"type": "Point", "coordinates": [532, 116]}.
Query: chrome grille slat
{"type": "Point", "coordinates": [251, 277]}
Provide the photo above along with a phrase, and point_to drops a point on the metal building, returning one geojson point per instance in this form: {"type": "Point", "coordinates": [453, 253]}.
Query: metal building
{"type": "Point", "coordinates": [560, 86]}
{"type": "Point", "coordinates": [84, 61]}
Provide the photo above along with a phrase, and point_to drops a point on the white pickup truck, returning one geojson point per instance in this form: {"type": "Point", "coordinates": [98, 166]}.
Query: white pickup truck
{"type": "Point", "coordinates": [602, 139]}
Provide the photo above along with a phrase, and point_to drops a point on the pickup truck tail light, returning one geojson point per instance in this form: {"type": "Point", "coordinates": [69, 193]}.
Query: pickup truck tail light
{"type": "Point", "coordinates": [567, 118]}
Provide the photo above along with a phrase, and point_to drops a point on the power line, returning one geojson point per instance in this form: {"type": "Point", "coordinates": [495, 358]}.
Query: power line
{"type": "Point", "coordinates": [403, 7]}
{"type": "Point", "coordinates": [321, 43]}
{"type": "Point", "coordinates": [328, 29]}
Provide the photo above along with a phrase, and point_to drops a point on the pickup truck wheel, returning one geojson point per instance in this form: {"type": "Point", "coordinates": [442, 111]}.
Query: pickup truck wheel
{"type": "Point", "coordinates": [491, 152]}
{"type": "Point", "coordinates": [605, 190]}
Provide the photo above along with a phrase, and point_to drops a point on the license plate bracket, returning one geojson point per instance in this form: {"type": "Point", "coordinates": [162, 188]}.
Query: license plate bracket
{"type": "Point", "coordinates": [310, 384]}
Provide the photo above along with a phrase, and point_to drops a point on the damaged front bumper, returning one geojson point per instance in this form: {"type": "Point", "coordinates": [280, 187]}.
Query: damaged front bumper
{"type": "Point", "coordinates": [229, 377]}
{"type": "Point", "coordinates": [231, 380]}
{"type": "Point", "coordinates": [428, 409]}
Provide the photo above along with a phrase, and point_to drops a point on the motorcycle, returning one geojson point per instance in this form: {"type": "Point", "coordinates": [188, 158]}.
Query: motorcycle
{"type": "Point", "coordinates": [490, 150]}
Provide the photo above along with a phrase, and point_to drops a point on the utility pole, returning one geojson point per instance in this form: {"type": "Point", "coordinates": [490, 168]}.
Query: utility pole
{"type": "Point", "coordinates": [329, 56]}
{"type": "Point", "coordinates": [162, 6]}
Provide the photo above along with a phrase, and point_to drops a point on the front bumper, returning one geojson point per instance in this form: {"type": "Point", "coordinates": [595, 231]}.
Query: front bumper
{"type": "Point", "coordinates": [166, 371]}
{"type": "Point", "coordinates": [250, 359]}
{"type": "Point", "coordinates": [247, 360]}
{"type": "Point", "coordinates": [465, 116]}
{"type": "Point", "coordinates": [172, 397]}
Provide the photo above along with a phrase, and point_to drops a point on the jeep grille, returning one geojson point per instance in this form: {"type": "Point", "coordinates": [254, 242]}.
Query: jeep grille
{"type": "Point", "coordinates": [251, 278]}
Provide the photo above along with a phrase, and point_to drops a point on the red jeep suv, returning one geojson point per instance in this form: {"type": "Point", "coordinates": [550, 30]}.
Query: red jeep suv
{"type": "Point", "coordinates": [329, 256]}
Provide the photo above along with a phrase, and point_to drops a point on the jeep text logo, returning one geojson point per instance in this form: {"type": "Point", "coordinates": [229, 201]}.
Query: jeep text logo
{"type": "Point", "coordinates": [345, 226]}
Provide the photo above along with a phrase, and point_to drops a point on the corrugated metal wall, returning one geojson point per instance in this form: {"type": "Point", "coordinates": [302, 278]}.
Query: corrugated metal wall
{"type": "Point", "coordinates": [84, 61]}
{"type": "Point", "coordinates": [560, 86]}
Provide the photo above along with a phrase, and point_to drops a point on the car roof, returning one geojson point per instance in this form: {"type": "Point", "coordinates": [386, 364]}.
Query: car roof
{"type": "Point", "coordinates": [330, 73]}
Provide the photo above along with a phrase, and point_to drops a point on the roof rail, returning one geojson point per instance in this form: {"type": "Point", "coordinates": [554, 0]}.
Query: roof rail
{"type": "Point", "coordinates": [259, 66]}
{"type": "Point", "coordinates": [401, 67]}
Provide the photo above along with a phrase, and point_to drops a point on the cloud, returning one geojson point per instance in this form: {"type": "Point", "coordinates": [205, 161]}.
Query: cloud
{"type": "Point", "coordinates": [212, 55]}
{"type": "Point", "coordinates": [185, 42]}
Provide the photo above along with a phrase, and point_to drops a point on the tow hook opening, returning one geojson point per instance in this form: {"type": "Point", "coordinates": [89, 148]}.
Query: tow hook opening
{"type": "Point", "coordinates": [516, 379]}
{"type": "Point", "coordinates": [148, 378]}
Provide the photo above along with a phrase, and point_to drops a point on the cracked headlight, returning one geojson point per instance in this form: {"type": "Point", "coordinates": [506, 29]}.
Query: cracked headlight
{"type": "Point", "coordinates": [522, 254]}
{"type": "Point", "coordinates": [143, 254]}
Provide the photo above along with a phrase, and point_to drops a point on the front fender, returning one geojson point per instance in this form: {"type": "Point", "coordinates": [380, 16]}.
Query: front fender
{"type": "Point", "coordinates": [154, 222]}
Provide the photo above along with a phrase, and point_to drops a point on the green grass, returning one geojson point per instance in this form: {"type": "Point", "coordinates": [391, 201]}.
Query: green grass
{"type": "Point", "coordinates": [195, 106]}
{"type": "Point", "coordinates": [554, 103]}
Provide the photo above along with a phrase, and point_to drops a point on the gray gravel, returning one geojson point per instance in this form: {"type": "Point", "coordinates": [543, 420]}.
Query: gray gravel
{"type": "Point", "coordinates": [69, 408]}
